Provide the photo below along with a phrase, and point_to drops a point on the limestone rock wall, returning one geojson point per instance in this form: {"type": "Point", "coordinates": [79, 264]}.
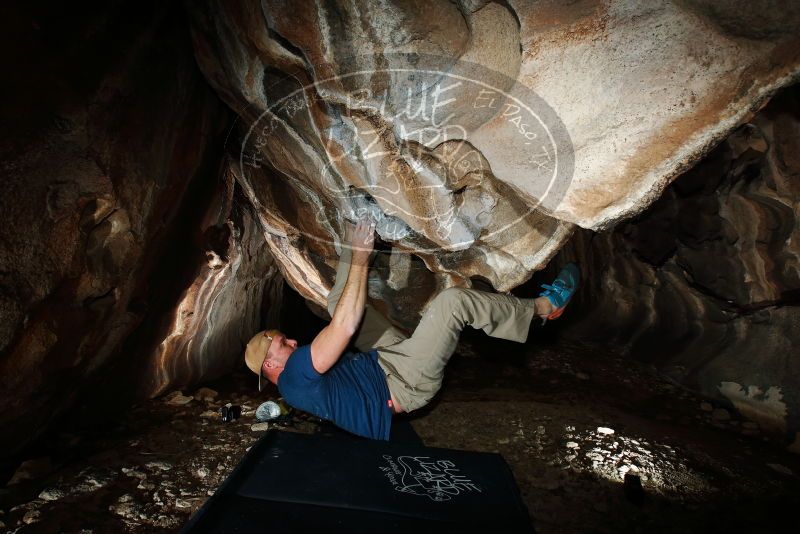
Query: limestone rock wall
{"type": "Point", "coordinates": [478, 133]}
{"type": "Point", "coordinates": [116, 215]}
{"type": "Point", "coordinates": [234, 292]}
{"type": "Point", "coordinates": [705, 283]}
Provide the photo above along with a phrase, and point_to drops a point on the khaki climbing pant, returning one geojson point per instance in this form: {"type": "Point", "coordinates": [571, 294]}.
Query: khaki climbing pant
{"type": "Point", "coordinates": [414, 366]}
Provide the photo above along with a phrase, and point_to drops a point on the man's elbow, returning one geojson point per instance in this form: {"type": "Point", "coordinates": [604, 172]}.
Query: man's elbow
{"type": "Point", "coordinates": [350, 330]}
{"type": "Point", "coordinates": [344, 326]}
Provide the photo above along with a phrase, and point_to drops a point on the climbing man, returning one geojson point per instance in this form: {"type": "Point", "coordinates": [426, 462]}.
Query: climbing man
{"type": "Point", "coordinates": [393, 373]}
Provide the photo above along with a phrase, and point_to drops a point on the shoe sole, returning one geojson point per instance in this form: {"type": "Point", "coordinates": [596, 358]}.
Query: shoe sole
{"type": "Point", "coordinates": [555, 314]}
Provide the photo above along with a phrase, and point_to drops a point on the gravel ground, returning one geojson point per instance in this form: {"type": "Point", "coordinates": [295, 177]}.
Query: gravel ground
{"type": "Point", "coordinates": [596, 443]}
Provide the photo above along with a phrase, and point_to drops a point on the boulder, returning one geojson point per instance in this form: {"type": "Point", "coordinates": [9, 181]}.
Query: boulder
{"type": "Point", "coordinates": [477, 134]}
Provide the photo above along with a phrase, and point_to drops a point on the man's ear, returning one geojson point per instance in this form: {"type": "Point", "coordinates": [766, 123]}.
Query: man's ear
{"type": "Point", "coordinates": [269, 363]}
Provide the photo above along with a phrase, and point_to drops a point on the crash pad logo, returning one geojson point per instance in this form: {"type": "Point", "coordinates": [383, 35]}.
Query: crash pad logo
{"type": "Point", "coordinates": [439, 480]}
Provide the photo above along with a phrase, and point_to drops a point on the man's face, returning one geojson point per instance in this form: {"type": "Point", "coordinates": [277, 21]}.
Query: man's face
{"type": "Point", "coordinates": [279, 351]}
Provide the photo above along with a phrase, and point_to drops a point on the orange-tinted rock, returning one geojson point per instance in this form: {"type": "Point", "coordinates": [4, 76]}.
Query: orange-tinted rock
{"type": "Point", "coordinates": [704, 283]}
{"type": "Point", "coordinates": [477, 133]}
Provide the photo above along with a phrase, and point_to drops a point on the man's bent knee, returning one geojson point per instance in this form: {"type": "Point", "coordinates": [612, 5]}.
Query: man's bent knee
{"type": "Point", "coordinates": [450, 297]}
{"type": "Point", "coordinates": [447, 304]}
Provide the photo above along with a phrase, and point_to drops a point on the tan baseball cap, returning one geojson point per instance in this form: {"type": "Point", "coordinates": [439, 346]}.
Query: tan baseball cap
{"type": "Point", "coordinates": [256, 353]}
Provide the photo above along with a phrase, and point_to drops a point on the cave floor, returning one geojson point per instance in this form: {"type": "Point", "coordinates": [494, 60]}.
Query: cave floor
{"type": "Point", "coordinates": [572, 420]}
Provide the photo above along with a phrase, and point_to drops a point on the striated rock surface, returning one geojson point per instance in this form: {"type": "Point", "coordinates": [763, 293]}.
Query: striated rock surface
{"type": "Point", "coordinates": [477, 133]}
{"type": "Point", "coordinates": [111, 146]}
{"type": "Point", "coordinates": [203, 334]}
{"type": "Point", "coordinates": [705, 283]}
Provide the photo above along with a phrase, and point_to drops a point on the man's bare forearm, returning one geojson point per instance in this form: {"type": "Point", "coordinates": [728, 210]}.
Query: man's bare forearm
{"type": "Point", "coordinates": [350, 308]}
{"type": "Point", "coordinates": [327, 347]}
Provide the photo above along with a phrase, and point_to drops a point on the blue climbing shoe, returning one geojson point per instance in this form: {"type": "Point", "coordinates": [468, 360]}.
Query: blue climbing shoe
{"type": "Point", "coordinates": [560, 292]}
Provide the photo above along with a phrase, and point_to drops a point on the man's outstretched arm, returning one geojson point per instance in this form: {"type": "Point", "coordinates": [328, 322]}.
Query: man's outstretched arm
{"type": "Point", "coordinates": [330, 343]}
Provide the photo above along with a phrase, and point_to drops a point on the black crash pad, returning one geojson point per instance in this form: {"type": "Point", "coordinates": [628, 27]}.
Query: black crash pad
{"type": "Point", "coordinates": [291, 482]}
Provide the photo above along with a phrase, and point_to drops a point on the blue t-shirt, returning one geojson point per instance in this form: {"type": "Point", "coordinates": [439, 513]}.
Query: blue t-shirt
{"type": "Point", "coordinates": [352, 394]}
